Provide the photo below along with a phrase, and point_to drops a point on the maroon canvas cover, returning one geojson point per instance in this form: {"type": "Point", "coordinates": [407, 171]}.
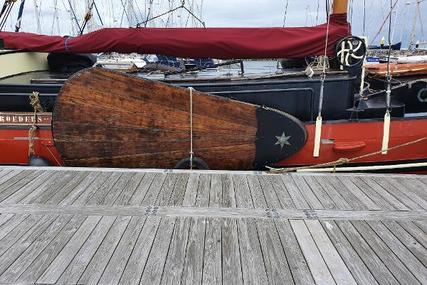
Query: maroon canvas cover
{"type": "Point", "coordinates": [221, 43]}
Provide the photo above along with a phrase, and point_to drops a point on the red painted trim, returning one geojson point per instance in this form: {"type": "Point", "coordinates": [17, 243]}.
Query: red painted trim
{"type": "Point", "coordinates": [368, 132]}
{"type": "Point", "coordinates": [339, 139]}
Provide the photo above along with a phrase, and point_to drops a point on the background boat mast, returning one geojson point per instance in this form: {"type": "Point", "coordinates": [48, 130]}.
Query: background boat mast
{"type": "Point", "coordinates": [37, 14]}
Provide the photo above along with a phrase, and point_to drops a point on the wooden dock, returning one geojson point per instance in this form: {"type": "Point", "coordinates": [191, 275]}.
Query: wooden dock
{"type": "Point", "coordinates": [87, 226]}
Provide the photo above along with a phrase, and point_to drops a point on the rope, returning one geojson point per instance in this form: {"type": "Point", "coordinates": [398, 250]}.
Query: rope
{"type": "Point", "coordinates": [387, 115]}
{"type": "Point", "coordinates": [5, 12]}
{"type": "Point", "coordinates": [53, 156]}
{"type": "Point", "coordinates": [35, 103]}
{"type": "Point", "coordinates": [384, 22]}
{"type": "Point", "coordinates": [191, 127]}
{"type": "Point", "coordinates": [318, 130]}
{"type": "Point", "coordinates": [87, 17]}
{"type": "Point", "coordinates": [286, 13]}
{"type": "Point", "coordinates": [343, 160]}
{"type": "Point", "coordinates": [19, 19]}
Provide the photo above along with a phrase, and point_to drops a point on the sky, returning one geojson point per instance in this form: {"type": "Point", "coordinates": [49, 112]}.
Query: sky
{"type": "Point", "coordinates": [224, 13]}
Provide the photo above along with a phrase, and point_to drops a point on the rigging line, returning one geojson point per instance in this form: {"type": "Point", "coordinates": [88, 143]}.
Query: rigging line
{"type": "Point", "coordinates": [122, 17]}
{"type": "Point", "coordinates": [395, 23]}
{"type": "Point", "coordinates": [19, 19]}
{"type": "Point", "coordinates": [201, 9]}
{"type": "Point", "coordinates": [286, 13]}
{"type": "Point", "coordinates": [87, 17]}
{"type": "Point", "coordinates": [139, 11]}
{"type": "Point", "coordinates": [307, 12]}
{"type": "Point", "coordinates": [414, 27]}
{"type": "Point", "coordinates": [158, 16]}
{"type": "Point", "coordinates": [317, 12]}
{"type": "Point", "coordinates": [5, 5]}
{"type": "Point", "coordinates": [364, 17]}
{"type": "Point", "coordinates": [150, 10]}
{"type": "Point", "coordinates": [131, 5]}
{"type": "Point", "coordinates": [327, 8]}
{"type": "Point", "coordinates": [384, 22]}
{"type": "Point", "coordinates": [420, 18]}
{"type": "Point", "coordinates": [404, 15]}
{"type": "Point", "coordinates": [387, 115]}
{"type": "Point", "coordinates": [169, 21]}
{"type": "Point", "coordinates": [326, 41]}
{"type": "Point", "coordinates": [2, 13]}
{"type": "Point", "coordinates": [74, 15]}
{"type": "Point", "coordinates": [195, 17]}
{"type": "Point", "coordinates": [182, 6]}
{"type": "Point", "coordinates": [97, 12]}
{"type": "Point", "coordinates": [125, 12]}
{"type": "Point", "coordinates": [388, 57]}
{"type": "Point", "coordinates": [55, 12]}
{"type": "Point", "coordinates": [318, 126]}
{"type": "Point", "coordinates": [6, 15]}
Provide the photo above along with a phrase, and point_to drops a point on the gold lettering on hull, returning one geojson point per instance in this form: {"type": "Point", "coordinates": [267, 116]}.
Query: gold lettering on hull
{"type": "Point", "coordinates": [24, 119]}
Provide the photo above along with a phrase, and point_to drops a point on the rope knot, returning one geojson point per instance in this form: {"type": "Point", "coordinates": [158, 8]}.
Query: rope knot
{"type": "Point", "coordinates": [35, 102]}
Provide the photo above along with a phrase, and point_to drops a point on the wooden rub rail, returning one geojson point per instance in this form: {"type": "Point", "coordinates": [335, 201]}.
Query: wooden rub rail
{"type": "Point", "coordinates": [110, 226]}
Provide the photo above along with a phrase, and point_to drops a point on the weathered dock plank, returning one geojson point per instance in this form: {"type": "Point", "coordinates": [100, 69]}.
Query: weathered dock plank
{"type": "Point", "coordinates": [101, 258]}
{"type": "Point", "coordinates": [177, 251]}
{"type": "Point", "coordinates": [63, 259]}
{"type": "Point", "coordinates": [333, 260]}
{"type": "Point", "coordinates": [43, 260]}
{"type": "Point", "coordinates": [80, 261]}
{"type": "Point", "coordinates": [110, 226]}
{"type": "Point", "coordinates": [315, 261]}
{"type": "Point", "coordinates": [374, 264]}
{"type": "Point", "coordinates": [354, 263]}
{"type": "Point", "coordinates": [20, 265]}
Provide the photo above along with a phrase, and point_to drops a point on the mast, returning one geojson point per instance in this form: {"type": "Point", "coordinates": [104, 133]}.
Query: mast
{"type": "Point", "coordinates": [340, 7]}
{"type": "Point", "coordinates": [417, 15]}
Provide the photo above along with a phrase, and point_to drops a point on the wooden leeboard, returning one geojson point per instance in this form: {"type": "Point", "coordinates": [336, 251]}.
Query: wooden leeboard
{"type": "Point", "coordinates": [105, 118]}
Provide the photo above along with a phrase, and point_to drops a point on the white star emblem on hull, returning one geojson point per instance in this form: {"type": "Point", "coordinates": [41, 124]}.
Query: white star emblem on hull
{"type": "Point", "coordinates": [282, 140]}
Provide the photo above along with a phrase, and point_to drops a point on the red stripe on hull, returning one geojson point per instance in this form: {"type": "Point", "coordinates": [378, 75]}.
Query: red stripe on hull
{"type": "Point", "coordinates": [14, 146]}
{"type": "Point", "coordinates": [353, 139]}
{"type": "Point", "coordinates": [339, 139]}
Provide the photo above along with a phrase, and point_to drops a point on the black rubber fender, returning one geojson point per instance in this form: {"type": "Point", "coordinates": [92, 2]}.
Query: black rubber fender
{"type": "Point", "coordinates": [198, 163]}
{"type": "Point", "coordinates": [38, 161]}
